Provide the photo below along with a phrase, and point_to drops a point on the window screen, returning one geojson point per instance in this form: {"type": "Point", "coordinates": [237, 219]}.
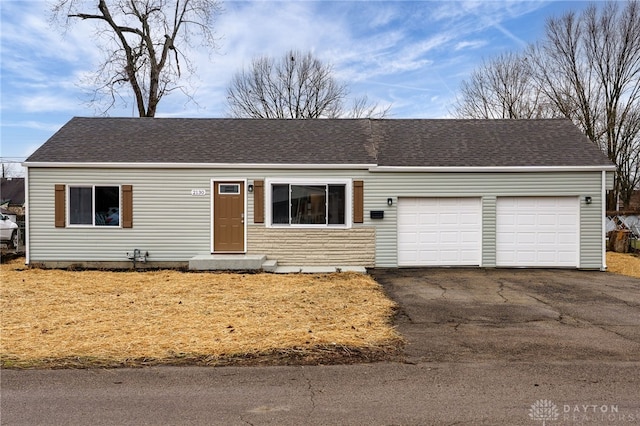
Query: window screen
{"type": "Point", "coordinates": [94, 205]}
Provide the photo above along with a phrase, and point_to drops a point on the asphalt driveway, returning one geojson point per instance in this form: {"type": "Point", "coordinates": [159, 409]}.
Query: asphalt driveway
{"type": "Point", "coordinates": [464, 315]}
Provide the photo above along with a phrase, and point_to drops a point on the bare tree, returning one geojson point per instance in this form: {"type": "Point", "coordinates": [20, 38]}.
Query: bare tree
{"type": "Point", "coordinates": [143, 44]}
{"type": "Point", "coordinates": [588, 66]}
{"type": "Point", "coordinates": [298, 85]}
{"type": "Point", "coordinates": [10, 169]}
{"type": "Point", "coordinates": [587, 69]}
{"type": "Point", "coordinates": [503, 87]}
{"type": "Point", "coordinates": [362, 108]}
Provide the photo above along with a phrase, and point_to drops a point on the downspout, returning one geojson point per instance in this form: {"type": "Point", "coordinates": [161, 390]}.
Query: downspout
{"type": "Point", "coordinates": [603, 205]}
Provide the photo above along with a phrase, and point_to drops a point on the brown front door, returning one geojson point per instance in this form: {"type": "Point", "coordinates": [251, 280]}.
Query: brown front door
{"type": "Point", "coordinates": [228, 217]}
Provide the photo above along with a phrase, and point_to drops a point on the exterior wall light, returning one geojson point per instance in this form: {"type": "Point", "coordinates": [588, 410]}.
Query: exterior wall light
{"type": "Point", "coordinates": [389, 202]}
{"type": "Point", "coordinates": [587, 200]}
{"type": "Point", "coordinates": [250, 187]}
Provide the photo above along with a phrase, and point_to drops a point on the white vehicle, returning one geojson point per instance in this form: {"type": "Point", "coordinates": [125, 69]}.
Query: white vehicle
{"type": "Point", "coordinates": [8, 232]}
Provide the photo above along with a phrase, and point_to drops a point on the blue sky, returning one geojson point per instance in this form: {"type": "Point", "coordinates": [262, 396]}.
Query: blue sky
{"type": "Point", "coordinates": [412, 55]}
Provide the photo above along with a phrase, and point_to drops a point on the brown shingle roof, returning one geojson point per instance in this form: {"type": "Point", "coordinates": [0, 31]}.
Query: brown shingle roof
{"type": "Point", "coordinates": [485, 143]}
{"type": "Point", "coordinates": [430, 143]}
{"type": "Point", "coordinates": [187, 140]}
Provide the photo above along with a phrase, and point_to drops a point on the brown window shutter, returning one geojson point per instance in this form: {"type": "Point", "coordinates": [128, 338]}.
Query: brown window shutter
{"type": "Point", "coordinates": [258, 201]}
{"type": "Point", "coordinates": [127, 206]}
{"type": "Point", "coordinates": [59, 206]}
{"type": "Point", "coordinates": [358, 201]}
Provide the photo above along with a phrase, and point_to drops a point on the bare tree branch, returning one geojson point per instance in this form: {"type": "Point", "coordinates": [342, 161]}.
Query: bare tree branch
{"type": "Point", "coordinates": [503, 87]}
{"type": "Point", "coordinates": [141, 39]}
{"type": "Point", "coordinates": [587, 69]}
{"type": "Point", "coordinates": [297, 85]}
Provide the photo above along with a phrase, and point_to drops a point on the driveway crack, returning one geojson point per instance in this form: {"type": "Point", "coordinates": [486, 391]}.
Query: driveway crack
{"type": "Point", "coordinates": [500, 290]}
{"type": "Point", "coordinates": [562, 317]}
{"type": "Point", "coordinates": [444, 291]}
{"type": "Point", "coordinates": [604, 328]}
{"type": "Point", "coordinates": [312, 392]}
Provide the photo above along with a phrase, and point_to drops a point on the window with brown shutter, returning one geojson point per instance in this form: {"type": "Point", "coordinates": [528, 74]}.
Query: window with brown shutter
{"type": "Point", "coordinates": [258, 201]}
{"type": "Point", "coordinates": [93, 205]}
{"type": "Point", "coordinates": [308, 202]}
{"type": "Point", "coordinates": [59, 203]}
{"type": "Point", "coordinates": [358, 201]}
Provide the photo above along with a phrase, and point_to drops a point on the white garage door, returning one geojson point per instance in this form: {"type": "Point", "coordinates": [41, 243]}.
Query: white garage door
{"type": "Point", "coordinates": [439, 231]}
{"type": "Point", "coordinates": [537, 231]}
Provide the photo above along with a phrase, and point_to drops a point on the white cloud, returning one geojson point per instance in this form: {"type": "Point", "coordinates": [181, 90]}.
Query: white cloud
{"type": "Point", "coordinates": [42, 103]}
{"type": "Point", "coordinates": [470, 44]}
{"type": "Point", "coordinates": [35, 125]}
{"type": "Point", "coordinates": [511, 35]}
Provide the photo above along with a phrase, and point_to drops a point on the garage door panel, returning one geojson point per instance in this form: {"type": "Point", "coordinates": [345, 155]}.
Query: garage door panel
{"type": "Point", "coordinates": [547, 238]}
{"type": "Point", "coordinates": [427, 237]}
{"type": "Point", "coordinates": [509, 221]}
{"type": "Point", "coordinates": [537, 231]}
{"type": "Point", "coordinates": [548, 220]}
{"type": "Point", "coordinates": [469, 257]}
{"type": "Point", "coordinates": [426, 219]}
{"type": "Point", "coordinates": [525, 256]}
{"type": "Point", "coordinates": [448, 231]}
{"type": "Point", "coordinates": [525, 238]}
{"type": "Point", "coordinates": [426, 256]}
{"type": "Point", "coordinates": [407, 237]}
{"type": "Point", "coordinates": [546, 256]}
{"type": "Point", "coordinates": [448, 255]}
{"type": "Point", "coordinates": [568, 256]}
{"type": "Point", "coordinates": [470, 238]}
{"type": "Point", "coordinates": [566, 220]}
{"type": "Point", "coordinates": [469, 219]}
{"type": "Point", "coordinates": [449, 237]}
{"type": "Point", "coordinates": [525, 220]}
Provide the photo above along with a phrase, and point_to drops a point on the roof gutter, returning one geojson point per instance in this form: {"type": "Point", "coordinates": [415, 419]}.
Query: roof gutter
{"type": "Point", "coordinates": [491, 169]}
{"type": "Point", "coordinates": [197, 165]}
{"type": "Point", "coordinates": [370, 167]}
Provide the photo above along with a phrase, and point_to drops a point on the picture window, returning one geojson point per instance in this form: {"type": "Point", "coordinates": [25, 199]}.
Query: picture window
{"type": "Point", "coordinates": [312, 204]}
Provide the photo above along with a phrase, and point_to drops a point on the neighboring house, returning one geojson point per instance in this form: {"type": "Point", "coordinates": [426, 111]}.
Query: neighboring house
{"type": "Point", "coordinates": [374, 193]}
{"type": "Point", "coordinates": [12, 195]}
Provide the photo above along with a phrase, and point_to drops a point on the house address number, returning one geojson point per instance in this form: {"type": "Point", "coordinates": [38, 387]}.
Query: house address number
{"type": "Point", "coordinates": [198, 192]}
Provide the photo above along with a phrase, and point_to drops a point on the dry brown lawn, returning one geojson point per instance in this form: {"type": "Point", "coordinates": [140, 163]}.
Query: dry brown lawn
{"type": "Point", "coordinates": [56, 318]}
{"type": "Point", "coordinates": [623, 263]}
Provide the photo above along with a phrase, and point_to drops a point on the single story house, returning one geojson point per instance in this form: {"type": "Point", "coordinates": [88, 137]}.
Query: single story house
{"type": "Point", "coordinates": [368, 192]}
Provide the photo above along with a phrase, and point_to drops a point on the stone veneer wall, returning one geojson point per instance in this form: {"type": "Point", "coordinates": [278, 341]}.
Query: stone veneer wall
{"type": "Point", "coordinates": [298, 247]}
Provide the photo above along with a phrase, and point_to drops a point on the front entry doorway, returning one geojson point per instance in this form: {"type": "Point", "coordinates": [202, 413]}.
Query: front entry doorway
{"type": "Point", "coordinates": [228, 217]}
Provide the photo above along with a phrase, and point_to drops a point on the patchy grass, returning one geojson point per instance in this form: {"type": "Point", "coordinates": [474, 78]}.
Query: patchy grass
{"type": "Point", "coordinates": [623, 263]}
{"type": "Point", "coordinates": [57, 319]}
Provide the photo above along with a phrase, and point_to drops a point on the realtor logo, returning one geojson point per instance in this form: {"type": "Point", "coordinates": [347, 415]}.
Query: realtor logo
{"type": "Point", "coordinates": [544, 410]}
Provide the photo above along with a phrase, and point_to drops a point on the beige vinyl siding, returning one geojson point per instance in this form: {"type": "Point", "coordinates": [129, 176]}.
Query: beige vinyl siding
{"type": "Point", "coordinates": [168, 222]}
{"type": "Point", "coordinates": [173, 225]}
{"type": "Point", "coordinates": [591, 238]}
{"type": "Point", "coordinates": [488, 231]}
{"type": "Point", "coordinates": [382, 185]}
